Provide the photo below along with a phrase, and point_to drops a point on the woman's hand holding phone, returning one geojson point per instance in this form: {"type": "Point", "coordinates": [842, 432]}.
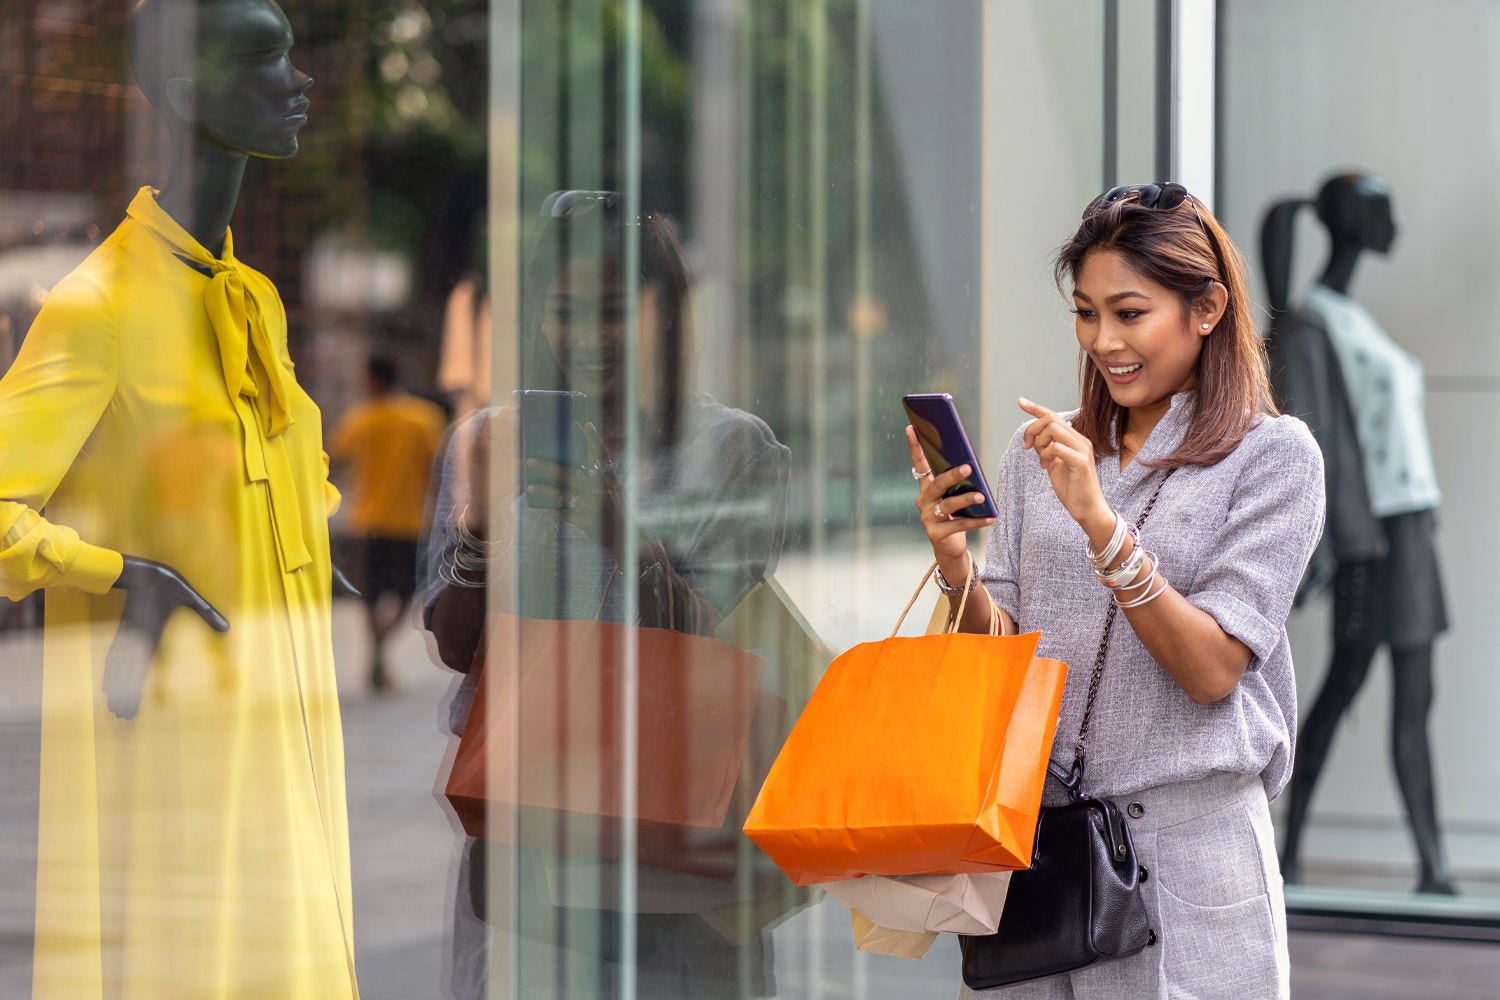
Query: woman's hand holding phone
{"type": "Point", "coordinates": [946, 532]}
{"type": "Point", "coordinates": [587, 497]}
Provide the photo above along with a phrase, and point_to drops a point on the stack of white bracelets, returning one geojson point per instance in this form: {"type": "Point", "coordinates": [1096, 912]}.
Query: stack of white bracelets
{"type": "Point", "coordinates": [1118, 580]}
{"type": "Point", "coordinates": [467, 558]}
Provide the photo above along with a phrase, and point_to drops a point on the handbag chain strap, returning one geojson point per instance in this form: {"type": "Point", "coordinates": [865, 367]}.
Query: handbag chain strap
{"type": "Point", "coordinates": [1072, 779]}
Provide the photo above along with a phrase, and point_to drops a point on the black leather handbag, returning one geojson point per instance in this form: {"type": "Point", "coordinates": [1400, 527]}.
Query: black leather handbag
{"type": "Point", "coordinates": [1080, 901]}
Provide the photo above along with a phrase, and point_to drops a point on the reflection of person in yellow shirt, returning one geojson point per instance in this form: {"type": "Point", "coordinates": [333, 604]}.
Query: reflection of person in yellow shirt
{"type": "Point", "coordinates": [388, 442]}
{"type": "Point", "coordinates": [201, 849]}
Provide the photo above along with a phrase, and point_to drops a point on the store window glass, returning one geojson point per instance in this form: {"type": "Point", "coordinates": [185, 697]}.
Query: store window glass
{"type": "Point", "coordinates": [1356, 153]}
{"type": "Point", "coordinates": [357, 352]}
{"type": "Point", "coordinates": [740, 233]}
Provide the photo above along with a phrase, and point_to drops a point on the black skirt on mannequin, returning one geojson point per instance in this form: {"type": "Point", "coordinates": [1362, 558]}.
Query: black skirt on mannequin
{"type": "Point", "coordinates": [1397, 600]}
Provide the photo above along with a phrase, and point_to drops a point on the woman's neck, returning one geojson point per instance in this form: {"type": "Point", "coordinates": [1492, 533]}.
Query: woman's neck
{"type": "Point", "coordinates": [1136, 428]}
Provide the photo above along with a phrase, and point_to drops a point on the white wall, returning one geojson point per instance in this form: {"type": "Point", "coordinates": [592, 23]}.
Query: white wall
{"type": "Point", "coordinates": [1043, 124]}
{"type": "Point", "coordinates": [1409, 92]}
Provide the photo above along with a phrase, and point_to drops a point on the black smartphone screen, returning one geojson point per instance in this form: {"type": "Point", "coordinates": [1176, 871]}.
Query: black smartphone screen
{"type": "Point", "coordinates": [941, 434]}
{"type": "Point", "coordinates": [551, 430]}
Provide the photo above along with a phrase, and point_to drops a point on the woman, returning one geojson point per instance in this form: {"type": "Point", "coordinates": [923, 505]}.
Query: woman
{"type": "Point", "coordinates": [1191, 729]}
{"type": "Point", "coordinates": [710, 490]}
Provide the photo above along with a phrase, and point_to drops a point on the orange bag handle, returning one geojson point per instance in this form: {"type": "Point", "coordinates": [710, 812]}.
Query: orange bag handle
{"type": "Point", "coordinates": [952, 626]}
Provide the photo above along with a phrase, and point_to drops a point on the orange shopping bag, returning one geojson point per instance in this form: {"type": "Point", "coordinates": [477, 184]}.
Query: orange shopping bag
{"type": "Point", "coordinates": [702, 720]}
{"type": "Point", "coordinates": [922, 755]}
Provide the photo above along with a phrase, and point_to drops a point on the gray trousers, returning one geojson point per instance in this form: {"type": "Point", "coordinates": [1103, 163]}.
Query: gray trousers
{"type": "Point", "coordinates": [1214, 896]}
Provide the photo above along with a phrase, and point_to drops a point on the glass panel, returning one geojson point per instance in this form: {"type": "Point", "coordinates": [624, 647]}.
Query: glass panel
{"type": "Point", "coordinates": [603, 310]}
{"type": "Point", "coordinates": [1415, 605]}
{"type": "Point", "coordinates": [740, 275]}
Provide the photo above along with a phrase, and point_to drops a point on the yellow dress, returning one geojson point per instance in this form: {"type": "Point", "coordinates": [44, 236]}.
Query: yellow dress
{"type": "Point", "coordinates": [200, 850]}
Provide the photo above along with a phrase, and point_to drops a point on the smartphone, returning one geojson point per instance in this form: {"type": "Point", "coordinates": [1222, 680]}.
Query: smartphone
{"type": "Point", "coordinates": [552, 430]}
{"type": "Point", "coordinates": [941, 434]}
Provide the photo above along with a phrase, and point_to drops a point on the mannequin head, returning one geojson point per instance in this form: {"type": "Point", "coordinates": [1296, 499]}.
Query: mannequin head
{"type": "Point", "coordinates": [221, 71]}
{"type": "Point", "coordinates": [1356, 209]}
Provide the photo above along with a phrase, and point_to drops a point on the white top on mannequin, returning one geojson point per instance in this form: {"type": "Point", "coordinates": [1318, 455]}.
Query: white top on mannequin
{"type": "Point", "coordinates": [1386, 392]}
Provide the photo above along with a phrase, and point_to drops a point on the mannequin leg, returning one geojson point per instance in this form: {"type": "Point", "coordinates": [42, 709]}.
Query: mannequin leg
{"type": "Point", "coordinates": [1412, 755]}
{"type": "Point", "coordinates": [1346, 675]}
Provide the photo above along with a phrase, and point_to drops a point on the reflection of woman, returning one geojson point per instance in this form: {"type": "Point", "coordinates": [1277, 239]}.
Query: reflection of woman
{"type": "Point", "coordinates": [709, 485]}
{"type": "Point", "coordinates": [1191, 727]}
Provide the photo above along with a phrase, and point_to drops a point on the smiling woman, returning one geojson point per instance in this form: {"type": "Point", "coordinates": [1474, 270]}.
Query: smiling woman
{"type": "Point", "coordinates": [1140, 338]}
{"type": "Point", "coordinates": [1189, 710]}
{"type": "Point", "coordinates": [1175, 285]}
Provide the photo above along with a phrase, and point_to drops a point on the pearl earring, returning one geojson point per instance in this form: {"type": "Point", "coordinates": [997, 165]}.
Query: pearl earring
{"type": "Point", "coordinates": [1206, 326]}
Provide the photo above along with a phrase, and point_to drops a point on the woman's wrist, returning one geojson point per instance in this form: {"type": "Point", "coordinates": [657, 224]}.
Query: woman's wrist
{"type": "Point", "coordinates": [953, 571]}
{"type": "Point", "coordinates": [1098, 522]}
{"type": "Point", "coordinates": [963, 577]}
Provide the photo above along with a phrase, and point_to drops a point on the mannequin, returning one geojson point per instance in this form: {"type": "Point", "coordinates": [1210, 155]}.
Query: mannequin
{"type": "Point", "coordinates": [212, 141]}
{"type": "Point", "coordinates": [1362, 396]}
{"type": "Point", "coordinates": [201, 848]}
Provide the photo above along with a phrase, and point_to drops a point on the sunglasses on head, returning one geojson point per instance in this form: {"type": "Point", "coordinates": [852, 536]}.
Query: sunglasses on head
{"type": "Point", "coordinates": [568, 204]}
{"type": "Point", "coordinates": [1164, 195]}
{"type": "Point", "coordinates": [561, 204]}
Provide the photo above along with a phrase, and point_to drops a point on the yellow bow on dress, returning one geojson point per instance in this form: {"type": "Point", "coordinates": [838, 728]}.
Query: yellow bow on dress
{"type": "Point", "coordinates": [258, 384]}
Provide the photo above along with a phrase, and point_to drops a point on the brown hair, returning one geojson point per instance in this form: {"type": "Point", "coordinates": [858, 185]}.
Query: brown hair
{"type": "Point", "coordinates": [1173, 248]}
{"type": "Point", "coordinates": [596, 226]}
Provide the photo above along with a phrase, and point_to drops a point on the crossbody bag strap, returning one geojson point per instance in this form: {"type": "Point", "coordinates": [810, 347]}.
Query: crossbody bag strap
{"type": "Point", "coordinates": [1072, 778]}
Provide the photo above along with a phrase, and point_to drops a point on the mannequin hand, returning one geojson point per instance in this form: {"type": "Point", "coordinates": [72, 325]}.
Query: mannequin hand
{"type": "Point", "coordinates": [946, 532]}
{"type": "Point", "coordinates": [153, 592]}
{"type": "Point", "coordinates": [1068, 459]}
{"type": "Point", "coordinates": [341, 585]}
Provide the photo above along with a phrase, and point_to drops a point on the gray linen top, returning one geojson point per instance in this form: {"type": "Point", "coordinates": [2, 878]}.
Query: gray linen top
{"type": "Point", "coordinates": [1233, 538]}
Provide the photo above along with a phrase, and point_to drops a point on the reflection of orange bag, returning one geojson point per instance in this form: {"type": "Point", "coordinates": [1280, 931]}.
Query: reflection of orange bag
{"type": "Point", "coordinates": [697, 697]}
{"type": "Point", "coordinates": [922, 755]}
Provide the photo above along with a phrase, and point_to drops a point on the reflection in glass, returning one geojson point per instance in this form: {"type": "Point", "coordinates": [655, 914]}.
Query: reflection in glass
{"type": "Point", "coordinates": [708, 487]}
{"type": "Point", "coordinates": [387, 442]}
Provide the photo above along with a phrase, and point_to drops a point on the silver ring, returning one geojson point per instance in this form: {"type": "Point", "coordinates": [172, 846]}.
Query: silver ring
{"type": "Point", "coordinates": [919, 475]}
{"type": "Point", "coordinates": [937, 512]}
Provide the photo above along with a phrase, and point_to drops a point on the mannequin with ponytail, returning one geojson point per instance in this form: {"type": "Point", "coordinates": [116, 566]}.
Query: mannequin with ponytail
{"type": "Point", "coordinates": [1381, 565]}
